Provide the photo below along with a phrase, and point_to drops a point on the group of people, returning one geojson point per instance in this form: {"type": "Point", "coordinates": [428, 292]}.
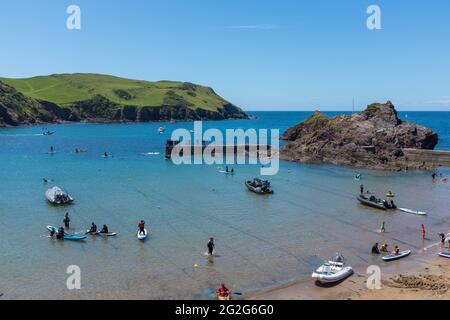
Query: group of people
{"type": "Point", "coordinates": [228, 170]}
{"type": "Point", "coordinates": [384, 248]}
{"type": "Point", "coordinates": [93, 229]}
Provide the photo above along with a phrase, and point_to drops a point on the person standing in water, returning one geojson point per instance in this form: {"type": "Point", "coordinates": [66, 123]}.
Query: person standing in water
{"type": "Point", "coordinates": [383, 228]}
{"type": "Point", "coordinates": [52, 150]}
{"type": "Point", "coordinates": [423, 232]}
{"type": "Point", "coordinates": [211, 246]}
{"type": "Point", "coordinates": [361, 188]}
{"type": "Point", "coordinates": [66, 220]}
{"type": "Point", "coordinates": [141, 227]}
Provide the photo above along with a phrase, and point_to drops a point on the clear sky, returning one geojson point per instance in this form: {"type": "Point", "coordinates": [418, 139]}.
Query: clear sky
{"type": "Point", "coordinates": [259, 54]}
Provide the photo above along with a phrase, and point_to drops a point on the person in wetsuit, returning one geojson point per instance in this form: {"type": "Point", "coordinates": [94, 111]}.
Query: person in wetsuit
{"type": "Point", "coordinates": [104, 229]}
{"type": "Point", "coordinates": [375, 249]}
{"type": "Point", "coordinates": [211, 246]}
{"type": "Point", "coordinates": [66, 220]}
{"type": "Point", "coordinates": [93, 228]}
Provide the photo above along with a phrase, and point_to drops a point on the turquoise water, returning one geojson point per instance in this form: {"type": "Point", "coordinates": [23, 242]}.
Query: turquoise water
{"type": "Point", "coordinates": [261, 241]}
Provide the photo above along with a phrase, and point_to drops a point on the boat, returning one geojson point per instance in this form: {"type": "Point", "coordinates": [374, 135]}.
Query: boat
{"type": "Point", "coordinates": [73, 237]}
{"type": "Point", "coordinates": [390, 194]}
{"type": "Point", "coordinates": [445, 254]}
{"type": "Point", "coordinates": [161, 130]}
{"type": "Point", "coordinates": [259, 186]}
{"type": "Point", "coordinates": [357, 177]}
{"type": "Point", "coordinates": [374, 202]}
{"type": "Point", "coordinates": [332, 271]}
{"type": "Point", "coordinates": [419, 213]}
{"type": "Point", "coordinates": [58, 196]}
{"type": "Point", "coordinates": [48, 133]}
{"type": "Point", "coordinates": [393, 256]}
{"type": "Point", "coordinates": [142, 236]}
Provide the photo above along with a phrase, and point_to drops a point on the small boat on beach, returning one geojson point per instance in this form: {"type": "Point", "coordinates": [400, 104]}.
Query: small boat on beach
{"type": "Point", "coordinates": [393, 256]}
{"type": "Point", "coordinates": [373, 202]}
{"type": "Point", "coordinates": [58, 196]}
{"type": "Point", "coordinates": [419, 213]}
{"type": "Point", "coordinates": [332, 271]}
{"type": "Point", "coordinates": [259, 186]}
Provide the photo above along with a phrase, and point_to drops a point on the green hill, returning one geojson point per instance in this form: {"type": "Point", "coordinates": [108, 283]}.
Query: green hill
{"type": "Point", "coordinates": [99, 97]}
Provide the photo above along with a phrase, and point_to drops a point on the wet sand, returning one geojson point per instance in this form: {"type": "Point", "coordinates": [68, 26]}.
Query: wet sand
{"type": "Point", "coordinates": [426, 279]}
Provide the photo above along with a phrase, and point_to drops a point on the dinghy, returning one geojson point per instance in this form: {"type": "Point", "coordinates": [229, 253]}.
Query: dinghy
{"type": "Point", "coordinates": [58, 196]}
{"type": "Point", "coordinates": [444, 254]}
{"type": "Point", "coordinates": [259, 186]}
{"type": "Point", "coordinates": [333, 270]}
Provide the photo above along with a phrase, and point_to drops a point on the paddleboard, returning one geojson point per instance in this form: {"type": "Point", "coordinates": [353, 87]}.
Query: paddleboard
{"type": "Point", "coordinates": [419, 213]}
{"type": "Point", "coordinates": [226, 172]}
{"type": "Point", "coordinates": [142, 236]}
{"type": "Point", "coordinates": [74, 237]}
{"type": "Point", "coordinates": [109, 234]}
{"type": "Point", "coordinates": [402, 254]}
{"type": "Point", "coordinates": [444, 254]}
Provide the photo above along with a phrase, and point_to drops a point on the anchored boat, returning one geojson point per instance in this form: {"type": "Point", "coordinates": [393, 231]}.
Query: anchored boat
{"type": "Point", "coordinates": [58, 196]}
{"type": "Point", "coordinates": [373, 202]}
{"type": "Point", "coordinates": [259, 186]}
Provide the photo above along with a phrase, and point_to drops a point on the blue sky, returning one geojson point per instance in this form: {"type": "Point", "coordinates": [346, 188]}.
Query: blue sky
{"type": "Point", "coordinates": [260, 55]}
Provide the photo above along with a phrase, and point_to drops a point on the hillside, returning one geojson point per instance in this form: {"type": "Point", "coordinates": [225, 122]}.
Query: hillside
{"type": "Point", "coordinates": [95, 97]}
{"type": "Point", "coordinates": [372, 139]}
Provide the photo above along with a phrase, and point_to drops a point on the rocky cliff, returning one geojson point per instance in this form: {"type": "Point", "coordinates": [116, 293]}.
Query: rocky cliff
{"type": "Point", "coordinates": [372, 139]}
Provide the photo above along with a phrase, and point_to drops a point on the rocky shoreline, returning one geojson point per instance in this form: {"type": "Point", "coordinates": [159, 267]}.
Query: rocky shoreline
{"type": "Point", "coordinates": [372, 139]}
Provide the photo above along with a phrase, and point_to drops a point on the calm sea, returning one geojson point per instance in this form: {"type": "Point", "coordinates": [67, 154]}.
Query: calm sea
{"type": "Point", "coordinates": [261, 241]}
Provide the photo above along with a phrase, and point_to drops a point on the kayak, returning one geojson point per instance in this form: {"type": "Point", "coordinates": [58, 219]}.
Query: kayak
{"type": "Point", "coordinates": [419, 213]}
{"type": "Point", "coordinates": [226, 172]}
{"type": "Point", "coordinates": [142, 236]}
{"type": "Point", "coordinates": [109, 234]}
{"type": "Point", "coordinates": [222, 297]}
{"type": "Point", "coordinates": [401, 254]}
{"type": "Point", "coordinates": [444, 254]}
{"type": "Point", "coordinates": [390, 195]}
{"type": "Point", "coordinates": [74, 237]}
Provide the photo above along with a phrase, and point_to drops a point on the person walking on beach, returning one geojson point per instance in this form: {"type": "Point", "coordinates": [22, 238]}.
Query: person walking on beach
{"type": "Point", "coordinates": [66, 220]}
{"type": "Point", "coordinates": [361, 188]}
{"type": "Point", "coordinates": [211, 246]}
{"type": "Point", "coordinates": [423, 232]}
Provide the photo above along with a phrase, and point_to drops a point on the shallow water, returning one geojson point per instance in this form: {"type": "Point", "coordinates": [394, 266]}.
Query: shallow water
{"type": "Point", "coordinates": [261, 240]}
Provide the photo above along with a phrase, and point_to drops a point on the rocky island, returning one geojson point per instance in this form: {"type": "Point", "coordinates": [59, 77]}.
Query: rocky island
{"type": "Point", "coordinates": [103, 98]}
{"type": "Point", "coordinates": [375, 138]}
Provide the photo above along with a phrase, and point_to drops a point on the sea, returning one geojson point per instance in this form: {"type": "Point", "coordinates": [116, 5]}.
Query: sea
{"type": "Point", "coordinates": [261, 241]}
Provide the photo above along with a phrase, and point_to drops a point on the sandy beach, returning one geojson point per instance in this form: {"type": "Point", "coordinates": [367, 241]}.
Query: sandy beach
{"type": "Point", "coordinates": [427, 279]}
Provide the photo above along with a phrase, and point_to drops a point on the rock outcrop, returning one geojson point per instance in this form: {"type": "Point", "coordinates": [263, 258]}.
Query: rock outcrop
{"type": "Point", "coordinates": [372, 139]}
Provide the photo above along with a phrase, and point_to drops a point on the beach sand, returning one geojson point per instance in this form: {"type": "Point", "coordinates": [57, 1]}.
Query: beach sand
{"type": "Point", "coordinates": [429, 279]}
